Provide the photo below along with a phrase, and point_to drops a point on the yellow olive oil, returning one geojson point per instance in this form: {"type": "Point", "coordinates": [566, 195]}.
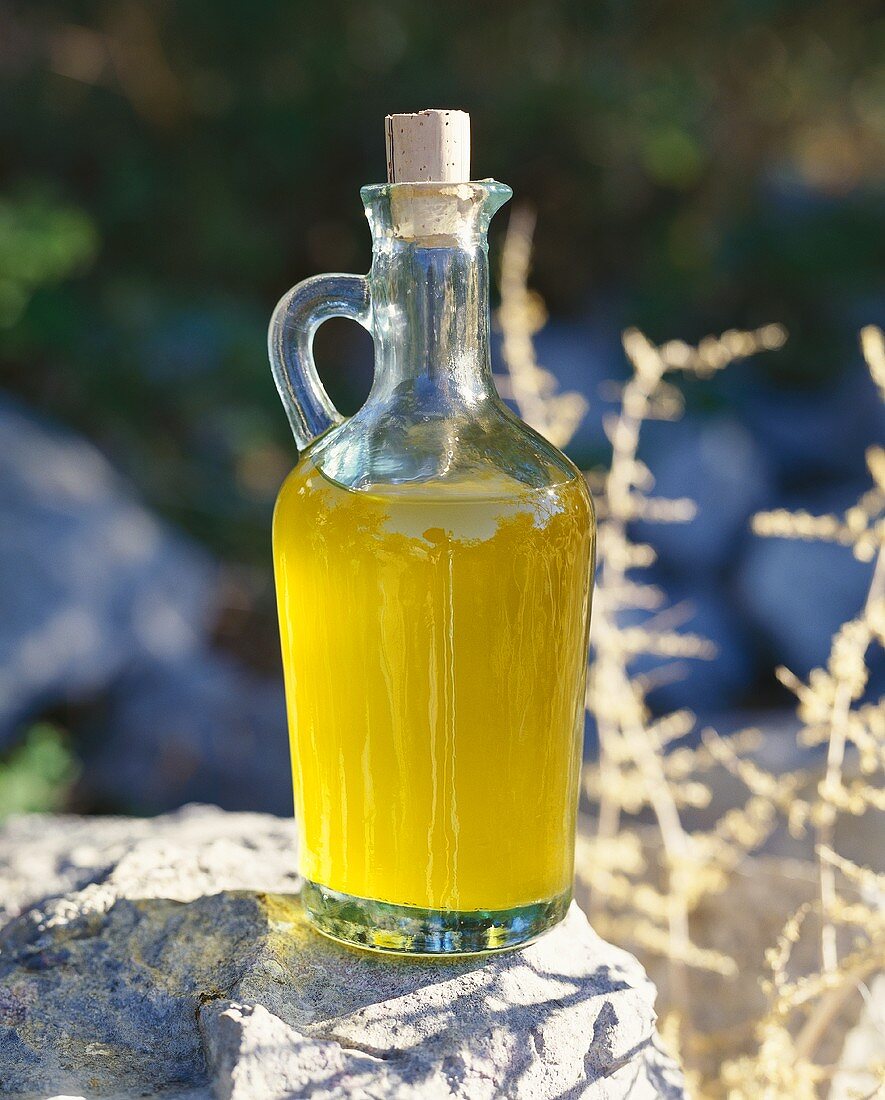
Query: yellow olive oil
{"type": "Point", "coordinates": [433, 639]}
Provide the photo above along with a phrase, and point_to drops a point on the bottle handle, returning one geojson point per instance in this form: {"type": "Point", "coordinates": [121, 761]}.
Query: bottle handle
{"type": "Point", "coordinates": [290, 346]}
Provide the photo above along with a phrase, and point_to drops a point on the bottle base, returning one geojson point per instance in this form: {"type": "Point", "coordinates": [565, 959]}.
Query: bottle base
{"type": "Point", "coordinates": [410, 930]}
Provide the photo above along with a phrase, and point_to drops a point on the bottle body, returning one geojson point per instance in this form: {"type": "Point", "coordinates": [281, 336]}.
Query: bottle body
{"type": "Point", "coordinates": [433, 560]}
{"type": "Point", "coordinates": [434, 654]}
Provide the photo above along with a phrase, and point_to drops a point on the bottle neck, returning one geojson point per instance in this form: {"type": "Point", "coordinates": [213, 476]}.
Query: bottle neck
{"type": "Point", "coordinates": [431, 323]}
{"type": "Point", "coordinates": [429, 287]}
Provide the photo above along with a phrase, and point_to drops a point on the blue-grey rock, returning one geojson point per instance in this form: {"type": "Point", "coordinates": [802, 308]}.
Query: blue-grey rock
{"type": "Point", "coordinates": [91, 581]}
{"type": "Point", "coordinates": [582, 357]}
{"type": "Point", "coordinates": [797, 594]}
{"type": "Point", "coordinates": [814, 434]}
{"type": "Point", "coordinates": [715, 462]}
{"type": "Point", "coordinates": [703, 685]}
{"type": "Point", "coordinates": [201, 728]}
{"type": "Point", "coordinates": [181, 961]}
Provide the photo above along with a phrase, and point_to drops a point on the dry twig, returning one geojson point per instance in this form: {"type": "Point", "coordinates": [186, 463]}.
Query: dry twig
{"type": "Point", "coordinates": [649, 907]}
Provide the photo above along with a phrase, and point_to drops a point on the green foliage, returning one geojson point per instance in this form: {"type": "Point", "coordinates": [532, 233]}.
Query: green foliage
{"type": "Point", "coordinates": [40, 244]}
{"type": "Point", "coordinates": [37, 775]}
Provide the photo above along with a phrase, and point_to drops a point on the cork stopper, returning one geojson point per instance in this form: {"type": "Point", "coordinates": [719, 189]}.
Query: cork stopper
{"type": "Point", "coordinates": [428, 147]}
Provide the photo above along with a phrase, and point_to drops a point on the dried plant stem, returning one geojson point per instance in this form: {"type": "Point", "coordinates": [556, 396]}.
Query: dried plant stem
{"type": "Point", "coordinates": [612, 575]}
{"type": "Point", "coordinates": [832, 711]}
{"type": "Point", "coordinates": [877, 584]}
{"type": "Point", "coordinates": [518, 320]}
{"type": "Point", "coordinates": [635, 408]}
{"type": "Point", "coordinates": [675, 842]}
{"type": "Point", "coordinates": [521, 314]}
{"type": "Point", "coordinates": [609, 817]}
{"type": "Point", "coordinates": [826, 827]}
{"type": "Point", "coordinates": [825, 830]}
{"type": "Point", "coordinates": [829, 1007]}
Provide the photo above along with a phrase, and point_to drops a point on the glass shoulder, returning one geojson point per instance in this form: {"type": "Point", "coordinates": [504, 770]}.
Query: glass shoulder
{"type": "Point", "coordinates": [372, 448]}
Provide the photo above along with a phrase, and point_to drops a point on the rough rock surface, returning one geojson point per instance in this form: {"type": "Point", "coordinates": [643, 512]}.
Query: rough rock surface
{"type": "Point", "coordinates": [170, 957]}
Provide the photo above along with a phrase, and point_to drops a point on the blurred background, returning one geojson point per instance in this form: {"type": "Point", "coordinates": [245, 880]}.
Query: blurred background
{"type": "Point", "coordinates": [168, 170]}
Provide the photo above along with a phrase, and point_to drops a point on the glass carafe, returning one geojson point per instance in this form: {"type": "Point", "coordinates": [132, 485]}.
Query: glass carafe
{"type": "Point", "coordinates": [433, 560]}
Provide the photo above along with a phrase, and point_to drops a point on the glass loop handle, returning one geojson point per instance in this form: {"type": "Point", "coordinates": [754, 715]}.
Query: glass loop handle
{"type": "Point", "coordinates": [290, 347]}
